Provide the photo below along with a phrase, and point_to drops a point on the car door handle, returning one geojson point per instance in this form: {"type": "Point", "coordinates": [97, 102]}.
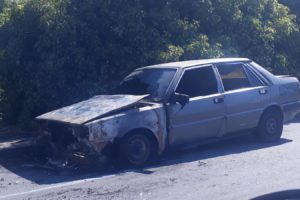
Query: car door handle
{"type": "Point", "coordinates": [218, 100]}
{"type": "Point", "coordinates": [263, 91]}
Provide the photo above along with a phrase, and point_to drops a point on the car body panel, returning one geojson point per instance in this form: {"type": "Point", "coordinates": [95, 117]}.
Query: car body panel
{"type": "Point", "coordinates": [244, 107]}
{"type": "Point", "coordinates": [151, 117]}
{"type": "Point", "coordinates": [201, 118]}
{"type": "Point", "coordinates": [192, 63]}
{"type": "Point", "coordinates": [90, 109]}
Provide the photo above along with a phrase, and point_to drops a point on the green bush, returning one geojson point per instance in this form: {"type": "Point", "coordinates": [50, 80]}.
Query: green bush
{"type": "Point", "coordinates": [1, 99]}
{"type": "Point", "coordinates": [57, 52]}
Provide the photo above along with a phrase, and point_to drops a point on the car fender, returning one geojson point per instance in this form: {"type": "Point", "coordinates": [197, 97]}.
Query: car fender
{"type": "Point", "coordinates": [152, 118]}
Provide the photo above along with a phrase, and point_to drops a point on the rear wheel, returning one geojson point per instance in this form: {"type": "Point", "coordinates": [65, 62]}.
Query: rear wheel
{"type": "Point", "coordinates": [135, 149]}
{"type": "Point", "coordinates": [270, 127]}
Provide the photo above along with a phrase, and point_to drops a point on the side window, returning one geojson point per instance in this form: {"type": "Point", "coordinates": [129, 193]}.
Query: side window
{"type": "Point", "coordinates": [198, 82]}
{"type": "Point", "coordinates": [254, 81]}
{"type": "Point", "coordinates": [233, 76]}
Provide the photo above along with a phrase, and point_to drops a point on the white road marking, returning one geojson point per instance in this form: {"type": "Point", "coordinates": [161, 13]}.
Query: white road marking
{"type": "Point", "coordinates": [55, 186]}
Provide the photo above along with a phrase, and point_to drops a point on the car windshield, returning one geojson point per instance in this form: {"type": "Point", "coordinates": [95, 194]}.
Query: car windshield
{"type": "Point", "coordinates": [154, 82]}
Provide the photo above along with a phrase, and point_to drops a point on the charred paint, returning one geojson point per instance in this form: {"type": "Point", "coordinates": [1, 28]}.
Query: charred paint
{"type": "Point", "coordinates": [90, 109]}
{"type": "Point", "coordinates": [149, 117]}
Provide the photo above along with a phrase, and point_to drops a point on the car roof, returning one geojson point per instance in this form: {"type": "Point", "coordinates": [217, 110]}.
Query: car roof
{"type": "Point", "coordinates": [190, 63]}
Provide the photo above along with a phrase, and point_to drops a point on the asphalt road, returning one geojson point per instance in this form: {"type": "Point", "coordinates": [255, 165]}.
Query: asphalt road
{"type": "Point", "coordinates": [239, 168]}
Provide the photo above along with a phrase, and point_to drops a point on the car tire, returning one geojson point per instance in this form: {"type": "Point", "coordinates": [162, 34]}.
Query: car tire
{"type": "Point", "coordinates": [270, 127]}
{"type": "Point", "coordinates": [135, 149]}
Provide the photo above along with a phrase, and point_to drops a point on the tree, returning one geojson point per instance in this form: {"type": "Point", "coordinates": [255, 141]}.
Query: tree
{"type": "Point", "coordinates": [57, 52]}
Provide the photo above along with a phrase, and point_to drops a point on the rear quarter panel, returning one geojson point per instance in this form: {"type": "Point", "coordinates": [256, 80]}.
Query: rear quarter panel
{"type": "Point", "coordinates": [286, 93]}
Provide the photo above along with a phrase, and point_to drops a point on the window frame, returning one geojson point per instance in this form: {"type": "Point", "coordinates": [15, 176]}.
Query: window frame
{"type": "Point", "coordinates": [219, 86]}
{"type": "Point", "coordinates": [244, 66]}
{"type": "Point", "coordinates": [168, 91]}
{"type": "Point", "coordinates": [261, 76]}
{"type": "Point", "coordinates": [249, 70]}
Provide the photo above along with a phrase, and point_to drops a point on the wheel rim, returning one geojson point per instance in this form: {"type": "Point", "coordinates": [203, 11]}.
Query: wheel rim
{"type": "Point", "coordinates": [272, 126]}
{"type": "Point", "coordinates": [138, 150]}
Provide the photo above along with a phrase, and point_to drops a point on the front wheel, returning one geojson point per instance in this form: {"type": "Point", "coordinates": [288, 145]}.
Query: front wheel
{"type": "Point", "coordinates": [270, 127]}
{"type": "Point", "coordinates": [135, 149]}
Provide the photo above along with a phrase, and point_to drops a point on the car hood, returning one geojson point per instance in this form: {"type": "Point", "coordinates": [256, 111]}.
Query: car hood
{"type": "Point", "coordinates": [92, 108]}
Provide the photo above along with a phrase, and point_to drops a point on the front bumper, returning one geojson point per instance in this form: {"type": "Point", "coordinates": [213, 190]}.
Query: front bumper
{"type": "Point", "coordinates": [70, 138]}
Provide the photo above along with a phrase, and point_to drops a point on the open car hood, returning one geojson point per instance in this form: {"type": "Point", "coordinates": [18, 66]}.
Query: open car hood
{"type": "Point", "coordinates": [90, 109]}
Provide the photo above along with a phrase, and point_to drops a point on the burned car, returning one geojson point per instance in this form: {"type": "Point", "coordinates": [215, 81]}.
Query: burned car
{"type": "Point", "coordinates": [176, 105]}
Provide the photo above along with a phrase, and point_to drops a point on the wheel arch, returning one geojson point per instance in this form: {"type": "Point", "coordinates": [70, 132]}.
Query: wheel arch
{"type": "Point", "coordinates": [262, 132]}
{"type": "Point", "coordinates": [273, 108]}
{"type": "Point", "coordinates": [144, 131]}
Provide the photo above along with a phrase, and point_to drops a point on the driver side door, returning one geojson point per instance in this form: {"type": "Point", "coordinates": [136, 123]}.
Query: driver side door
{"type": "Point", "coordinates": [203, 117]}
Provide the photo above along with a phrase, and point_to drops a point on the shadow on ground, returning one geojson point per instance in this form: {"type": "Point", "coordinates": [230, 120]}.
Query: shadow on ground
{"type": "Point", "coordinates": [281, 195]}
{"type": "Point", "coordinates": [27, 163]}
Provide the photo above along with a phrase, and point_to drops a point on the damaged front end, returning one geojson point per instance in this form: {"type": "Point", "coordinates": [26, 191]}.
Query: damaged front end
{"type": "Point", "coordinates": [64, 137]}
{"type": "Point", "coordinates": [67, 146]}
{"type": "Point", "coordinates": [91, 126]}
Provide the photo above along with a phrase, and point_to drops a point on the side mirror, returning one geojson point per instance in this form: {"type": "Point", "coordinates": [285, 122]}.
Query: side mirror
{"type": "Point", "coordinates": [182, 99]}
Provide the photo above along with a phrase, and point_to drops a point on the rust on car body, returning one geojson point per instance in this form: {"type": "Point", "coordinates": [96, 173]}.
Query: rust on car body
{"type": "Point", "coordinates": [150, 117]}
{"type": "Point", "coordinates": [107, 117]}
{"type": "Point", "coordinates": [90, 109]}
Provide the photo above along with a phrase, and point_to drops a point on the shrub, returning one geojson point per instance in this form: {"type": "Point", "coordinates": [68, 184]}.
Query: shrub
{"type": "Point", "coordinates": [57, 52]}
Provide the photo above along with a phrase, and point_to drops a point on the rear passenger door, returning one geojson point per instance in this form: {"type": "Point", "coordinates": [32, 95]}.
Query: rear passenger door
{"type": "Point", "coordinates": [204, 115]}
{"type": "Point", "coordinates": [245, 96]}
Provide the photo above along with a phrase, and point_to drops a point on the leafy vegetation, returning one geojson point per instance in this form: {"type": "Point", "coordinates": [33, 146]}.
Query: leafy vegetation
{"type": "Point", "coordinates": [1, 92]}
{"type": "Point", "coordinates": [57, 52]}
